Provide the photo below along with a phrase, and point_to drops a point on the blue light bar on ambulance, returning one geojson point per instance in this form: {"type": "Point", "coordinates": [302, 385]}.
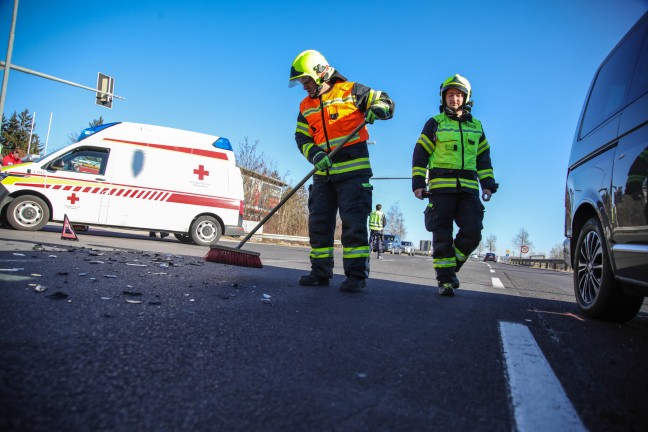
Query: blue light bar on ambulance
{"type": "Point", "coordinates": [222, 143]}
{"type": "Point", "coordinates": [93, 130]}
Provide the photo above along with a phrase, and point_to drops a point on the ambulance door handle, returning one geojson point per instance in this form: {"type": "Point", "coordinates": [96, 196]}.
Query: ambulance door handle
{"type": "Point", "coordinates": [100, 179]}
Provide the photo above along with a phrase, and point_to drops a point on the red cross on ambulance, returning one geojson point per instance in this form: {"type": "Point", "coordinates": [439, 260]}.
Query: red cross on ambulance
{"type": "Point", "coordinates": [201, 172]}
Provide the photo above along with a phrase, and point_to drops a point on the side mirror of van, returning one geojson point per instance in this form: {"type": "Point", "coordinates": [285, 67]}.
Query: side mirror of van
{"type": "Point", "coordinates": [57, 164]}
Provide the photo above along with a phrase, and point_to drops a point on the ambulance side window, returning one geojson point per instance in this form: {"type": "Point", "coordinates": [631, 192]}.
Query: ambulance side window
{"type": "Point", "coordinates": [86, 160]}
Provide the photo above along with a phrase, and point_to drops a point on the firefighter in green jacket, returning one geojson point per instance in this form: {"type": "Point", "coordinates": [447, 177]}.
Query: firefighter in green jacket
{"type": "Point", "coordinates": [453, 154]}
{"type": "Point", "coordinates": [377, 223]}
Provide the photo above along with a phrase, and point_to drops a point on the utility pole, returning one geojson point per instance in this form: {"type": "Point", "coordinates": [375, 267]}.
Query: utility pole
{"type": "Point", "coordinates": [5, 76]}
{"type": "Point", "coordinates": [103, 91]}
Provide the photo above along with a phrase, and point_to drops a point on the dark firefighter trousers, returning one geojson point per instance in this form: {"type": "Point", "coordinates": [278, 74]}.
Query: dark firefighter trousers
{"type": "Point", "coordinates": [467, 211]}
{"type": "Point", "coordinates": [352, 197]}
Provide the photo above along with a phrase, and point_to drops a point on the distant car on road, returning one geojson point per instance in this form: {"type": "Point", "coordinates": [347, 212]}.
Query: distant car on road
{"type": "Point", "coordinates": [392, 244]}
{"type": "Point", "coordinates": [408, 248]}
{"type": "Point", "coordinates": [490, 257]}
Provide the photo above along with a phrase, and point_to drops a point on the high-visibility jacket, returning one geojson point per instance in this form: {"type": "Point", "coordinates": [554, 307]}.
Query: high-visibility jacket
{"type": "Point", "coordinates": [454, 154]}
{"type": "Point", "coordinates": [324, 122]}
{"type": "Point", "coordinates": [376, 220]}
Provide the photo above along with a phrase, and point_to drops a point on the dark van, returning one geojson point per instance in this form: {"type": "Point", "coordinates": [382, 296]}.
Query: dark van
{"type": "Point", "coordinates": [392, 244]}
{"type": "Point", "coordinates": [606, 207]}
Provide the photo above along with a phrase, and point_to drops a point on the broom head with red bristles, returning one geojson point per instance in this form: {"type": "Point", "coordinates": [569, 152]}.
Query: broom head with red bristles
{"type": "Point", "coordinates": [233, 256]}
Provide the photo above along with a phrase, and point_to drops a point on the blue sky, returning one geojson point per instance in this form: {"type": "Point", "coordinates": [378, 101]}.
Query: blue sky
{"type": "Point", "coordinates": [221, 67]}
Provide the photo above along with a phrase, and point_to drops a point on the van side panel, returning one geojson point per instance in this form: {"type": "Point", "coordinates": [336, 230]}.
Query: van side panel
{"type": "Point", "coordinates": [170, 184]}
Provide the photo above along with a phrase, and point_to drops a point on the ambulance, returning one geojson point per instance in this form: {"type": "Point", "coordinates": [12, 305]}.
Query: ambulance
{"type": "Point", "coordinates": [133, 176]}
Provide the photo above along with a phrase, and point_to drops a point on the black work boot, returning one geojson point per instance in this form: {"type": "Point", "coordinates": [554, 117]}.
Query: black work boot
{"type": "Point", "coordinates": [455, 281]}
{"type": "Point", "coordinates": [446, 289]}
{"type": "Point", "coordinates": [353, 284]}
{"type": "Point", "coordinates": [313, 280]}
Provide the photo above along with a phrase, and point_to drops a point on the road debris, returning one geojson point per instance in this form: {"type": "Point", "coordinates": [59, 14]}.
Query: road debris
{"type": "Point", "coordinates": [58, 295]}
{"type": "Point", "coordinates": [39, 288]}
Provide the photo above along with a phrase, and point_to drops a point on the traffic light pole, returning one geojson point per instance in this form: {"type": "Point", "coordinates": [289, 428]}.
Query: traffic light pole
{"type": "Point", "coordinates": [5, 76]}
{"type": "Point", "coordinates": [53, 78]}
{"type": "Point", "coordinates": [7, 66]}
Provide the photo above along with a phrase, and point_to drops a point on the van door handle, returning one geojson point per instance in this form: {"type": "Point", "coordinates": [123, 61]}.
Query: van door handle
{"type": "Point", "coordinates": [100, 179]}
{"type": "Point", "coordinates": [622, 156]}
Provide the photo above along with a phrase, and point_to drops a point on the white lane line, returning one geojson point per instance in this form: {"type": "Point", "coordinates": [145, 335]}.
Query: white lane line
{"type": "Point", "coordinates": [497, 283]}
{"type": "Point", "coordinates": [492, 271]}
{"type": "Point", "coordinates": [539, 401]}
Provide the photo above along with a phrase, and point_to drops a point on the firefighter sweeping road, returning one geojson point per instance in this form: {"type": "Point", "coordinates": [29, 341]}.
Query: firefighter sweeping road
{"type": "Point", "coordinates": [119, 331]}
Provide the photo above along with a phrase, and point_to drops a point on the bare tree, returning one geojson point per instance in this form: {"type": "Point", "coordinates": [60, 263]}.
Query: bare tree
{"type": "Point", "coordinates": [263, 188]}
{"type": "Point", "coordinates": [74, 136]}
{"type": "Point", "coordinates": [480, 248]}
{"type": "Point", "coordinates": [557, 252]}
{"type": "Point", "coordinates": [522, 239]}
{"type": "Point", "coordinates": [491, 243]}
{"type": "Point", "coordinates": [395, 221]}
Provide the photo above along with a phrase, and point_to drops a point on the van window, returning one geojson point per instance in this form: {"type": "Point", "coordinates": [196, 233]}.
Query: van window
{"type": "Point", "coordinates": [86, 160]}
{"type": "Point", "coordinates": [611, 88]}
{"type": "Point", "coordinates": [640, 80]}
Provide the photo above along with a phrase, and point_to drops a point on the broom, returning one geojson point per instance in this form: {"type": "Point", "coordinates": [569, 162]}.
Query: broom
{"type": "Point", "coordinates": [245, 258]}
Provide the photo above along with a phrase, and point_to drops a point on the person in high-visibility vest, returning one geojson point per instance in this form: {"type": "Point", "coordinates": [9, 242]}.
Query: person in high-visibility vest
{"type": "Point", "coordinates": [453, 153]}
{"type": "Point", "coordinates": [333, 108]}
{"type": "Point", "coordinates": [377, 223]}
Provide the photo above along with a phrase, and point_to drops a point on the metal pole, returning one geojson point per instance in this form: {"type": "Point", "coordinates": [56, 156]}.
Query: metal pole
{"type": "Point", "coordinates": [53, 78]}
{"type": "Point", "coordinates": [5, 77]}
{"type": "Point", "coordinates": [48, 131]}
{"type": "Point", "coordinates": [31, 133]}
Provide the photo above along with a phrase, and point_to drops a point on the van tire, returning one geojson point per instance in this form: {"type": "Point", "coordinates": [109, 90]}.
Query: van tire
{"type": "Point", "coordinates": [184, 238]}
{"type": "Point", "coordinates": [205, 231]}
{"type": "Point", "coordinates": [28, 213]}
{"type": "Point", "coordinates": [598, 294]}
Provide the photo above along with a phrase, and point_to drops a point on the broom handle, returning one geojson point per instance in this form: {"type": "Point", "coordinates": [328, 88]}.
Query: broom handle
{"type": "Point", "coordinates": [296, 188]}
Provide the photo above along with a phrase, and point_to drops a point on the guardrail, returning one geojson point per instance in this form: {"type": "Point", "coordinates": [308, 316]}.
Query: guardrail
{"type": "Point", "coordinates": [286, 239]}
{"type": "Point", "coordinates": [554, 264]}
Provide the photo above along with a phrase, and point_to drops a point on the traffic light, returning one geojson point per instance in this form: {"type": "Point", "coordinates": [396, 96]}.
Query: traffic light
{"type": "Point", "coordinates": [105, 90]}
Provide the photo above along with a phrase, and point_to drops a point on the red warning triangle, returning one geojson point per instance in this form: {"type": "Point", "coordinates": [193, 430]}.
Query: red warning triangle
{"type": "Point", "coordinates": [68, 232]}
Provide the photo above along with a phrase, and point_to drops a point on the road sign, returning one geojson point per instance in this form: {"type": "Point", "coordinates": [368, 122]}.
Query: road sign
{"type": "Point", "coordinates": [524, 249]}
{"type": "Point", "coordinates": [105, 88]}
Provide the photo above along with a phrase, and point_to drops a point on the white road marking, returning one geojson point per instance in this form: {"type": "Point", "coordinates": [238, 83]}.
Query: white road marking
{"type": "Point", "coordinates": [539, 401]}
{"type": "Point", "coordinates": [497, 283]}
{"type": "Point", "coordinates": [492, 271]}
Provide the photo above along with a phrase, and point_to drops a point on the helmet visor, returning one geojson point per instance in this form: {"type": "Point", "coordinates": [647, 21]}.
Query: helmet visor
{"type": "Point", "coordinates": [302, 79]}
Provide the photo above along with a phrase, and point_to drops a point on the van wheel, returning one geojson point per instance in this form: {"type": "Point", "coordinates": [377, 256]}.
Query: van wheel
{"type": "Point", "coordinates": [28, 213]}
{"type": "Point", "coordinates": [184, 238]}
{"type": "Point", "coordinates": [205, 231]}
{"type": "Point", "coordinates": [597, 293]}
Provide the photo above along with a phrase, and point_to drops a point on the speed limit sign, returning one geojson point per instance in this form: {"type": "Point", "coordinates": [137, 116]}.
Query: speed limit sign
{"type": "Point", "coordinates": [524, 249]}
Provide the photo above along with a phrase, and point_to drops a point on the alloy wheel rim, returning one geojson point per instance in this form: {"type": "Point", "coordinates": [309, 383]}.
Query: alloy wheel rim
{"type": "Point", "coordinates": [590, 268]}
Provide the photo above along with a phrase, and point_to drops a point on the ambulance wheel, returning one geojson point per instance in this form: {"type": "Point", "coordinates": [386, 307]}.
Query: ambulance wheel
{"type": "Point", "coordinates": [184, 238]}
{"type": "Point", "coordinates": [205, 231]}
{"type": "Point", "coordinates": [28, 213]}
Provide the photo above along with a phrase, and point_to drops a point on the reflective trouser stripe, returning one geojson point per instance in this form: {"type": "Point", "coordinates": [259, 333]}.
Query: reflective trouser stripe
{"type": "Point", "coordinates": [460, 256]}
{"type": "Point", "coordinates": [445, 262]}
{"type": "Point", "coordinates": [321, 253]}
{"type": "Point", "coordinates": [356, 252]}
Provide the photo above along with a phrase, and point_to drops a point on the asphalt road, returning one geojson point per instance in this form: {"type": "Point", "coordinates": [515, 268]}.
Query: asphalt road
{"type": "Point", "coordinates": [119, 332]}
